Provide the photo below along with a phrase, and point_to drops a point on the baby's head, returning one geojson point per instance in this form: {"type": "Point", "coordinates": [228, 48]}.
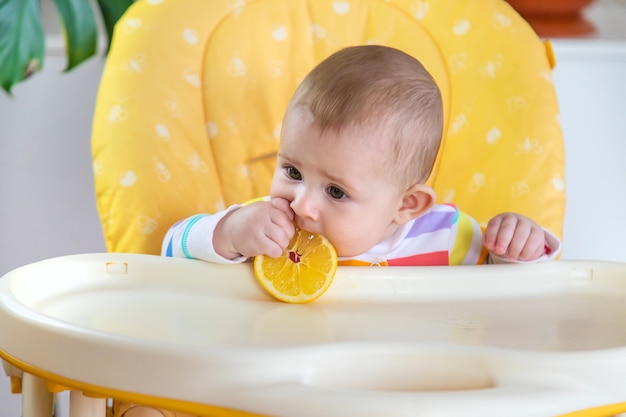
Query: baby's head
{"type": "Point", "coordinates": [359, 138]}
{"type": "Point", "coordinates": [385, 94]}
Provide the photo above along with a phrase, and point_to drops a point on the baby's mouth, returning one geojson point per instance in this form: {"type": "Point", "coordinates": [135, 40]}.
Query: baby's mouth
{"type": "Point", "coordinates": [300, 224]}
{"type": "Point", "coordinates": [303, 224]}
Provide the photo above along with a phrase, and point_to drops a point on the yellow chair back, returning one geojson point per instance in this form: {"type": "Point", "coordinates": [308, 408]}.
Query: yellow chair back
{"type": "Point", "coordinates": [189, 110]}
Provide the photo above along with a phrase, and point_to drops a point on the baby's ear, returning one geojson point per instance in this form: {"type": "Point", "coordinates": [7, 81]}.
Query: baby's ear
{"type": "Point", "coordinates": [416, 201]}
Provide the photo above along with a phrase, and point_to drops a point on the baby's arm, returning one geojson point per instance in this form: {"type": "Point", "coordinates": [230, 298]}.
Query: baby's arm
{"type": "Point", "coordinates": [514, 237]}
{"type": "Point", "coordinates": [233, 234]}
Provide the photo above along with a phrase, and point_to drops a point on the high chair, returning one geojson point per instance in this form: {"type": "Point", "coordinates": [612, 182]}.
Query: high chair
{"type": "Point", "coordinates": [191, 102]}
{"type": "Point", "coordinates": [188, 120]}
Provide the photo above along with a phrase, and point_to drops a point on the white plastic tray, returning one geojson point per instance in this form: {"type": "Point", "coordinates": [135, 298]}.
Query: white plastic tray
{"type": "Point", "coordinates": [496, 340]}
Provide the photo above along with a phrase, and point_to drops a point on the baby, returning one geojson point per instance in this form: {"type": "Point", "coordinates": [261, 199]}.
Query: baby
{"type": "Point", "coordinates": [359, 140]}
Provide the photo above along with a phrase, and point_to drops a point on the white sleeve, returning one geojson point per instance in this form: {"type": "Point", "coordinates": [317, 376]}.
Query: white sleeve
{"type": "Point", "coordinates": [192, 238]}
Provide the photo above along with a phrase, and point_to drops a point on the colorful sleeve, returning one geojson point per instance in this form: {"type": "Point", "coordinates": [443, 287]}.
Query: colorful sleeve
{"type": "Point", "coordinates": [466, 241]}
{"type": "Point", "coordinates": [192, 238]}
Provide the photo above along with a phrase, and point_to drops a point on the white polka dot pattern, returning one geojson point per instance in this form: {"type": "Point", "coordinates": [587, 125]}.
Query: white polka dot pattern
{"type": "Point", "coordinates": [189, 111]}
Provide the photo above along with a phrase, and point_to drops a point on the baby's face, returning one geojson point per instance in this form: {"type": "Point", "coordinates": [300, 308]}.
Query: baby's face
{"type": "Point", "coordinates": [337, 184]}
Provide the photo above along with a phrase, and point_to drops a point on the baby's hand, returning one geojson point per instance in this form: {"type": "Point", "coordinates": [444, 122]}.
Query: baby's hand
{"type": "Point", "coordinates": [265, 227]}
{"type": "Point", "coordinates": [515, 237]}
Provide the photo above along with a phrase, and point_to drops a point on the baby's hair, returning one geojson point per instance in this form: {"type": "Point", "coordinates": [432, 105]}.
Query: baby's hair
{"type": "Point", "coordinates": [379, 89]}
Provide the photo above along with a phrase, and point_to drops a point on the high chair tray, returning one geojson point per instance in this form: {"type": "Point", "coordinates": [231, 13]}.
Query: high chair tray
{"type": "Point", "coordinates": [494, 340]}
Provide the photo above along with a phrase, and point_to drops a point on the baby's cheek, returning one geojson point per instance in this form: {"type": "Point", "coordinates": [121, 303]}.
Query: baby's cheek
{"type": "Point", "coordinates": [279, 189]}
{"type": "Point", "coordinates": [348, 245]}
{"type": "Point", "coordinates": [338, 244]}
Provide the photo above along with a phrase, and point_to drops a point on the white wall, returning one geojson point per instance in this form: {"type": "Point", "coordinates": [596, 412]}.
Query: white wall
{"type": "Point", "coordinates": [46, 185]}
{"type": "Point", "coordinates": [47, 205]}
{"type": "Point", "coordinates": [590, 79]}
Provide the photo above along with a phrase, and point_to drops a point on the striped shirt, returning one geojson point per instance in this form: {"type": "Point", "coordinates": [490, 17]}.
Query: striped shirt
{"type": "Point", "coordinates": [442, 236]}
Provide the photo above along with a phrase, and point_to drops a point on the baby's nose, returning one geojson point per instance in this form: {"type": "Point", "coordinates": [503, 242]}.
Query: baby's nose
{"type": "Point", "coordinates": [304, 205]}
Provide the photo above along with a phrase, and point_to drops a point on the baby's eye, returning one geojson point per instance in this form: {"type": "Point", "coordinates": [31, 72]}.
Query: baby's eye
{"type": "Point", "coordinates": [335, 192]}
{"type": "Point", "coordinates": [293, 173]}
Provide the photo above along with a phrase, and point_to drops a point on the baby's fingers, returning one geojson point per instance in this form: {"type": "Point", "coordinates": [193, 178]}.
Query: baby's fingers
{"type": "Point", "coordinates": [499, 234]}
{"type": "Point", "coordinates": [535, 245]}
{"type": "Point", "coordinates": [491, 233]}
{"type": "Point", "coordinates": [272, 249]}
{"type": "Point", "coordinates": [519, 241]}
{"type": "Point", "coordinates": [280, 238]}
{"type": "Point", "coordinates": [284, 206]}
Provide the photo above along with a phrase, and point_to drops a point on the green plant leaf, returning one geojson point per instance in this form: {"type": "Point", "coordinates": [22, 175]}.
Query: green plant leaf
{"type": "Point", "coordinates": [111, 11]}
{"type": "Point", "coordinates": [80, 30]}
{"type": "Point", "coordinates": [21, 41]}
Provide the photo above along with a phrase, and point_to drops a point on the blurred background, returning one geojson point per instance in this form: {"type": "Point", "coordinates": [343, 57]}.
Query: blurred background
{"type": "Point", "coordinates": [47, 203]}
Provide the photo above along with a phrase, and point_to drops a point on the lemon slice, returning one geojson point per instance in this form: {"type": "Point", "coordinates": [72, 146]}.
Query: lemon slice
{"type": "Point", "coordinates": [302, 273]}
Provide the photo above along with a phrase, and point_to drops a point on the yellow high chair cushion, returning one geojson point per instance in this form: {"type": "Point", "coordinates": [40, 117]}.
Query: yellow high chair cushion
{"type": "Point", "coordinates": [190, 106]}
